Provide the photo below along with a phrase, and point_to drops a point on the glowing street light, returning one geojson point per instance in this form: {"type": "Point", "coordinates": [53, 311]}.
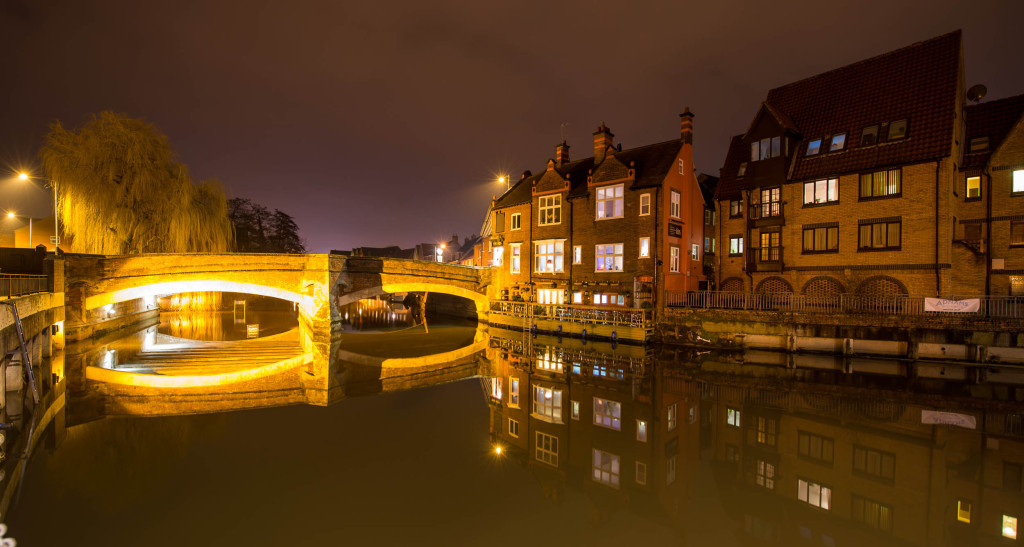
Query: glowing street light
{"type": "Point", "coordinates": [503, 179]}
{"type": "Point", "coordinates": [56, 228]}
{"type": "Point", "coordinates": [10, 214]}
{"type": "Point", "coordinates": [439, 250]}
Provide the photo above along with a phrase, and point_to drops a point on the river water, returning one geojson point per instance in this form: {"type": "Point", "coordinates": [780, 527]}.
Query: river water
{"type": "Point", "coordinates": [530, 440]}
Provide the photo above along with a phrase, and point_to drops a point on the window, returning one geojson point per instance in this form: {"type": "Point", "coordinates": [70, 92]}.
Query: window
{"type": "Point", "coordinates": [1009, 527]}
{"type": "Point", "coordinates": [575, 410]}
{"type": "Point", "coordinates": [732, 454]}
{"type": "Point", "coordinates": [735, 245]}
{"type": "Point", "coordinates": [496, 388]}
{"type": "Point", "coordinates": [641, 431]}
{"type": "Point", "coordinates": [681, 165]}
{"type": "Point", "coordinates": [838, 142]}
{"type": "Point", "coordinates": [821, 239]}
{"type": "Point", "coordinates": [675, 209]}
{"type": "Point", "coordinates": [735, 208]}
{"type": "Point", "coordinates": [577, 297]}
{"type": "Point", "coordinates": [897, 130]}
{"type": "Point", "coordinates": [672, 416]}
{"type": "Point", "coordinates": [641, 473]}
{"type": "Point", "coordinates": [513, 428]}
{"type": "Point", "coordinates": [517, 221]}
{"type": "Point", "coordinates": [814, 494]}
{"type": "Point", "coordinates": [499, 222]}
{"type": "Point", "coordinates": [606, 468]}
{"type": "Point", "coordinates": [771, 247]}
{"type": "Point", "coordinates": [577, 254]}
{"type": "Point", "coordinates": [766, 431]}
{"type": "Point", "coordinates": [609, 202]}
{"type": "Point", "coordinates": [1018, 181]}
{"type": "Point", "coordinates": [766, 148]}
{"type": "Point", "coordinates": [978, 144]}
{"type": "Point", "coordinates": [771, 202]}
{"type": "Point", "coordinates": [673, 263]}
{"type": "Point", "coordinates": [709, 245]}
{"type": "Point", "coordinates": [550, 296]}
{"type": "Point", "coordinates": [608, 258]}
{"type": "Point", "coordinates": [610, 299]}
{"type": "Point", "coordinates": [1011, 476]}
{"type": "Point", "coordinates": [872, 513]}
{"type": "Point", "coordinates": [497, 256]}
{"type": "Point", "coordinates": [514, 252]}
{"type": "Point", "coordinates": [873, 464]}
{"type": "Point", "coordinates": [547, 403]}
{"type": "Point", "coordinates": [821, 191]}
{"type": "Point", "coordinates": [973, 187]}
{"type": "Point", "coordinates": [814, 147]}
{"type": "Point", "coordinates": [765, 475]}
{"type": "Point", "coordinates": [547, 449]}
{"type": "Point", "coordinates": [670, 470]}
{"type": "Point", "coordinates": [694, 251]}
{"type": "Point", "coordinates": [549, 255]}
{"type": "Point", "coordinates": [549, 210]}
{"type": "Point", "coordinates": [1017, 285]}
{"type": "Point", "coordinates": [732, 417]}
{"type": "Point", "coordinates": [880, 234]}
{"type": "Point", "coordinates": [513, 391]}
{"type": "Point", "coordinates": [607, 413]}
{"type": "Point", "coordinates": [549, 359]}
{"type": "Point", "coordinates": [645, 204]}
{"type": "Point", "coordinates": [880, 184]}
{"type": "Point", "coordinates": [645, 247]}
{"type": "Point", "coordinates": [815, 447]}
{"type": "Point", "coordinates": [869, 136]}
{"type": "Point", "coordinates": [741, 170]}
{"type": "Point", "coordinates": [963, 511]}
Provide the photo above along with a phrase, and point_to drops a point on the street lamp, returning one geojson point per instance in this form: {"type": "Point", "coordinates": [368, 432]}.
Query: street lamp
{"type": "Point", "coordinates": [439, 250]}
{"type": "Point", "coordinates": [56, 227]}
{"type": "Point", "coordinates": [503, 180]}
{"type": "Point", "coordinates": [11, 214]}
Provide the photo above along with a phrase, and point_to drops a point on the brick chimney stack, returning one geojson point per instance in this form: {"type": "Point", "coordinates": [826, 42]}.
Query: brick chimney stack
{"type": "Point", "coordinates": [602, 140]}
{"type": "Point", "coordinates": [686, 126]}
{"type": "Point", "coordinates": [562, 154]}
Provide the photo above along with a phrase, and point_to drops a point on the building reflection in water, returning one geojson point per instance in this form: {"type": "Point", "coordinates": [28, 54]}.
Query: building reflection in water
{"type": "Point", "coordinates": [792, 457]}
{"type": "Point", "coordinates": [379, 313]}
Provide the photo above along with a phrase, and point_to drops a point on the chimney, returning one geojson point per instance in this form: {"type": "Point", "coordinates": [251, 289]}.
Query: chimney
{"type": "Point", "coordinates": [686, 126]}
{"type": "Point", "coordinates": [602, 140]}
{"type": "Point", "coordinates": [562, 154]}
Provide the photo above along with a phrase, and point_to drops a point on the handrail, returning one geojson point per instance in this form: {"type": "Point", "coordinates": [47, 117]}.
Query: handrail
{"type": "Point", "coordinates": [576, 313]}
{"type": "Point", "coordinates": [22, 284]}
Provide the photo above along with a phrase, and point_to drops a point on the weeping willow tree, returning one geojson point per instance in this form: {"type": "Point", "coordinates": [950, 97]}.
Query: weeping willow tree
{"type": "Point", "coordinates": [120, 191]}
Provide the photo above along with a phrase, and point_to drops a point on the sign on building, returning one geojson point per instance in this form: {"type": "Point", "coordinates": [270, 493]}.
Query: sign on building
{"type": "Point", "coordinates": [675, 230]}
{"type": "Point", "coordinates": [970, 305]}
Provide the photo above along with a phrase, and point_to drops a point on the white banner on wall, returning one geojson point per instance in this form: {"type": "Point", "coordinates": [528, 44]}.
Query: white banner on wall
{"type": "Point", "coordinates": [970, 305]}
{"type": "Point", "coordinates": [948, 418]}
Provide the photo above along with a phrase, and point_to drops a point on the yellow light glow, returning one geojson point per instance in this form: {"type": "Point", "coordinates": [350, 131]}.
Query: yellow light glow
{"type": "Point", "coordinates": [497, 450]}
{"type": "Point", "coordinates": [22, 176]}
{"type": "Point", "coordinates": [501, 180]}
{"type": "Point", "coordinates": [10, 214]}
{"type": "Point", "coordinates": [442, 245]}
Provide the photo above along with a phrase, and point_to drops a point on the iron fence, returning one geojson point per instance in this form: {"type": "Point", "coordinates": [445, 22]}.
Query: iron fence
{"type": "Point", "coordinates": [574, 313]}
{"type": "Point", "coordinates": [18, 285]}
{"type": "Point", "coordinates": [997, 307]}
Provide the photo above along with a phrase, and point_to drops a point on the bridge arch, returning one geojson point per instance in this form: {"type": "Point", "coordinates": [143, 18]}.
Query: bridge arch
{"type": "Point", "coordinates": [479, 300]}
{"type": "Point", "coordinates": [199, 285]}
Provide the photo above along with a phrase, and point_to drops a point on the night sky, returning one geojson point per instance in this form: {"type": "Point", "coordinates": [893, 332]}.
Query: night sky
{"type": "Point", "coordinates": [377, 123]}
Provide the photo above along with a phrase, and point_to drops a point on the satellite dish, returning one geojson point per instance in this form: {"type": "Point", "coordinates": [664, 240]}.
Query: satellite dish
{"type": "Point", "coordinates": [976, 92]}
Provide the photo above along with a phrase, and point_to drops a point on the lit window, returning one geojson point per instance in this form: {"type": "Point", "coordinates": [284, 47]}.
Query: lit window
{"type": "Point", "coordinates": [1018, 181]}
{"type": "Point", "coordinates": [610, 299]}
{"type": "Point", "coordinates": [869, 136]}
{"type": "Point", "coordinates": [549, 359]}
{"type": "Point", "coordinates": [765, 476]}
{"type": "Point", "coordinates": [1009, 527]}
{"type": "Point", "coordinates": [575, 410]}
{"type": "Point", "coordinates": [550, 210]}
{"type": "Point", "coordinates": [732, 417]}
{"type": "Point", "coordinates": [645, 247]}
{"type": "Point", "coordinates": [547, 403]}
{"type": "Point", "coordinates": [814, 147]}
{"type": "Point", "coordinates": [897, 130]}
{"type": "Point", "coordinates": [766, 431]}
{"type": "Point", "coordinates": [645, 204]}
{"type": "Point", "coordinates": [821, 239]}
{"type": "Point", "coordinates": [735, 208]}
{"type": "Point", "coordinates": [641, 431]}
{"type": "Point", "coordinates": [641, 473]}
{"type": "Point", "coordinates": [973, 187]}
{"type": "Point", "coordinates": [880, 234]}
{"type": "Point", "coordinates": [514, 252]}
{"type": "Point", "coordinates": [549, 255]}
{"type": "Point", "coordinates": [609, 202]}
{"type": "Point", "coordinates": [978, 144]}
{"type": "Point", "coordinates": [675, 210]}
{"type": "Point", "coordinates": [672, 416]}
{"type": "Point", "coordinates": [814, 494]}
{"type": "Point", "coordinates": [577, 254]}
{"type": "Point", "coordinates": [742, 169]}
{"type": "Point", "coordinates": [497, 256]}
{"type": "Point", "coordinates": [880, 183]}
{"type": "Point", "coordinates": [609, 258]}
{"type": "Point", "coordinates": [670, 470]}
{"type": "Point", "coordinates": [606, 468]}
{"type": "Point", "coordinates": [735, 245]}
{"type": "Point", "coordinates": [607, 413]}
{"type": "Point", "coordinates": [821, 191]}
{"type": "Point", "coordinates": [838, 142]}
{"type": "Point", "coordinates": [673, 264]}
{"type": "Point", "coordinates": [1017, 285]}
{"type": "Point", "coordinates": [517, 221]}
{"type": "Point", "coordinates": [547, 449]}
{"type": "Point", "coordinates": [766, 148]}
{"type": "Point", "coordinates": [513, 428]}
{"type": "Point", "coordinates": [550, 296]}
{"type": "Point", "coordinates": [513, 392]}
{"type": "Point", "coordinates": [963, 511]}
{"type": "Point", "coordinates": [577, 297]}
{"type": "Point", "coordinates": [496, 388]}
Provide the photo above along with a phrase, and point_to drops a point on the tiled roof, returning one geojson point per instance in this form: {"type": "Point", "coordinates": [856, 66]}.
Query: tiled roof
{"type": "Point", "coordinates": [707, 184]}
{"type": "Point", "coordinates": [994, 120]}
{"type": "Point", "coordinates": [651, 163]}
{"type": "Point", "coordinates": [917, 83]}
{"type": "Point", "coordinates": [729, 185]}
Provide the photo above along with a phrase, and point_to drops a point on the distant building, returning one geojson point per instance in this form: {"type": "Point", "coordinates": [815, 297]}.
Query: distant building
{"type": "Point", "coordinates": [708, 184]}
{"type": "Point", "coordinates": [616, 229]}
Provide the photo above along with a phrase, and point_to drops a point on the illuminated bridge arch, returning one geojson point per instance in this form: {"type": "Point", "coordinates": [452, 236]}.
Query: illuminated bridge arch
{"type": "Point", "coordinates": [189, 286]}
{"type": "Point", "coordinates": [479, 300]}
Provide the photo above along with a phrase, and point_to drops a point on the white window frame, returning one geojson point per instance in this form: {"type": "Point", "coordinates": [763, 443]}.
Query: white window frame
{"type": "Point", "coordinates": [546, 452]}
{"type": "Point", "coordinates": [550, 296]}
{"type": "Point", "coordinates": [515, 257]}
{"type": "Point", "coordinates": [645, 247]}
{"type": "Point", "coordinates": [513, 392]}
{"type": "Point", "coordinates": [732, 417]}
{"type": "Point", "coordinates": [605, 468]}
{"type": "Point", "coordinates": [645, 205]}
{"type": "Point", "coordinates": [641, 431]}
{"type": "Point", "coordinates": [549, 206]}
{"type": "Point", "coordinates": [557, 255]}
{"type": "Point", "coordinates": [682, 167]}
{"type": "Point", "coordinates": [577, 254]}
{"type": "Point", "coordinates": [737, 249]}
{"type": "Point", "coordinates": [814, 494]}
{"type": "Point", "coordinates": [617, 201]}
{"type": "Point", "coordinates": [673, 260]}
{"type": "Point", "coordinates": [516, 222]}
{"type": "Point", "coordinates": [821, 191]}
{"type": "Point", "coordinates": [608, 413]}
{"type": "Point", "coordinates": [672, 416]}
{"type": "Point", "coordinates": [1017, 184]}
{"type": "Point", "coordinates": [675, 206]}
{"type": "Point", "coordinates": [575, 410]}
{"type": "Point", "coordinates": [694, 251]}
{"type": "Point", "coordinates": [496, 388]}
{"type": "Point", "coordinates": [601, 256]}
{"type": "Point", "coordinates": [544, 410]}
{"type": "Point", "coordinates": [510, 428]}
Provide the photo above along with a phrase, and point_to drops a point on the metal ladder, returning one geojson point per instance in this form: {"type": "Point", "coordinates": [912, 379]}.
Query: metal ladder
{"type": "Point", "coordinates": [25, 359]}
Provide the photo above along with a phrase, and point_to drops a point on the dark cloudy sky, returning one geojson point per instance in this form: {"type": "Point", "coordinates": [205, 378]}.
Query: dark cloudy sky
{"type": "Point", "coordinates": [376, 123]}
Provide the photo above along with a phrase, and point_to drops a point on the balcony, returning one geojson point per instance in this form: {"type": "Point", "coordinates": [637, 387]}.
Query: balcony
{"type": "Point", "coordinates": [769, 213]}
{"type": "Point", "coordinates": [765, 259]}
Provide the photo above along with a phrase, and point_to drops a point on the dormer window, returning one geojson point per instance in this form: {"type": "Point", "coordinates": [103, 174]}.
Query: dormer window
{"type": "Point", "coordinates": [838, 142]}
{"type": "Point", "coordinates": [897, 130]}
{"type": "Point", "coordinates": [766, 148]}
{"type": "Point", "coordinates": [978, 144]}
{"type": "Point", "coordinates": [870, 136]}
{"type": "Point", "coordinates": [814, 147]}
{"type": "Point", "coordinates": [742, 169]}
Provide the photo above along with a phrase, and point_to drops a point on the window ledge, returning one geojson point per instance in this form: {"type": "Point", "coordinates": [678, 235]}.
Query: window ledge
{"type": "Point", "coordinates": [1016, 194]}
{"type": "Point", "coordinates": [822, 204]}
{"type": "Point", "coordinates": [877, 249]}
{"type": "Point", "coordinates": [829, 251]}
{"type": "Point", "coordinates": [973, 199]}
{"type": "Point", "coordinates": [889, 196]}
{"type": "Point", "coordinates": [735, 254]}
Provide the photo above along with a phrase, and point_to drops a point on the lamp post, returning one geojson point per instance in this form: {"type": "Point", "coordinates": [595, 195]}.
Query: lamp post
{"type": "Point", "coordinates": [11, 214]}
{"type": "Point", "coordinates": [56, 226]}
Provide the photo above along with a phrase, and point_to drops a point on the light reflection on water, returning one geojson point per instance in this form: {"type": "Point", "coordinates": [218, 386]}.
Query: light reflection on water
{"type": "Point", "coordinates": [226, 325]}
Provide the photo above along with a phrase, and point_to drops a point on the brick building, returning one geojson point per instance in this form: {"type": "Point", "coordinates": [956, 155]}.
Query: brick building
{"type": "Point", "coordinates": [853, 181]}
{"type": "Point", "coordinates": [708, 185]}
{"type": "Point", "coordinates": [614, 229]}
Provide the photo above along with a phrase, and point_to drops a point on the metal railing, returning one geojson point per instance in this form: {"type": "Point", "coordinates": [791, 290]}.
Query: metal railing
{"type": "Point", "coordinates": [18, 285]}
{"type": "Point", "coordinates": [766, 209]}
{"type": "Point", "coordinates": [575, 313]}
{"type": "Point", "coordinates": [999, 307]}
